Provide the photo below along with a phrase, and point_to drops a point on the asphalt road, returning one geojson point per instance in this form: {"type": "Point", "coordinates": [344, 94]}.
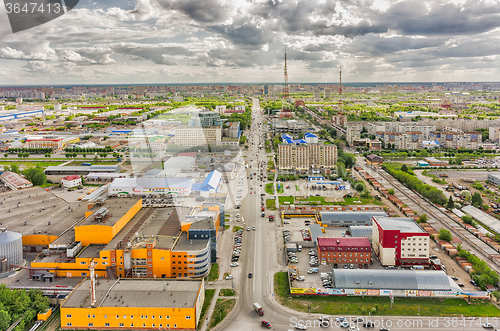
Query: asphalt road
{"type": "Point", "coordinates": [260, 256]}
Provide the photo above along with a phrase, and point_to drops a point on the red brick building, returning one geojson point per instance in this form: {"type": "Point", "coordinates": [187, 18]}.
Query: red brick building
{"type": "Point", "coordinates": [345, 250]}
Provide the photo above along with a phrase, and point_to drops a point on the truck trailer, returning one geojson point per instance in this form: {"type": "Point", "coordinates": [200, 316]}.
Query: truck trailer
{"type": "Point", "coordinates": [258, 309]}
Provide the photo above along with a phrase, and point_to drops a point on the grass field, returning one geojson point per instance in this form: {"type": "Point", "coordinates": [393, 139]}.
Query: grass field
{"type": "Point", "coordinates": [333, 305]}
{"type": "Point", "coordinates": [270, 204]}
{"type": "Point", "coordinates": [226, 227]}
{"type": "Point", "coordinates": [227, 292]}
{"type": "Point", "coordinates": [221, 309]}
{"type": "Point", "coordinates": [281, 189]}
{"type": "Point", "coordinates": [237, 228]}
{"type": "Point", "coordinates": [209, 295]}
{"type": "Point", "coordinates": [270, 188]}
{"type": "Point", "coordinates": [297, 188]}
{"type": "Point", "coordinates": [214, 272]}
{"type": "Point", "coordinates": [289, 199]}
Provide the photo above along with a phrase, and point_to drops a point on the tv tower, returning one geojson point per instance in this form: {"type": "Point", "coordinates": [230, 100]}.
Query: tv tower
{"type": "Point", "coordinates": [285, 110]}
{"type": "Point", "coordinates": [341, 110]}
{"type": "Point", "coordinates": [286, 93]}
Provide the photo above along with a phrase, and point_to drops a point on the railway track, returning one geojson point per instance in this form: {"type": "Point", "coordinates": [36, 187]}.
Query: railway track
{"type": "Point", "coordinates": [444, 221]}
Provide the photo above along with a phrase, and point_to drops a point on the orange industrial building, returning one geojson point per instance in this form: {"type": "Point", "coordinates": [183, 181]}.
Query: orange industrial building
{"type": "Point", "coordinates": [126, 240]}
{"type": "Point", "coordinates": [134, 304]}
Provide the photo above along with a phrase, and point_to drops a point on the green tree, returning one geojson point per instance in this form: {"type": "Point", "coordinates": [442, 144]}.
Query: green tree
{"type": "Point", "coordinates": [404, 168]}
{"type": "Point", "coordinates": [486, 207]}
{"type": "Point", "coordinates": [476, 200]}
{"type": "Point", "coordinates": [390, 191]}
{"type": "Point", "coordinates": [36, 176]}
{"type": "Point", "coordinates": [423, 218]}
{"type": "Point", "coordinates": [4, 320]}
{"type": "Point", "coordinates": [450, 204]}
{"type": "Point", "coordinates": [341, 169]}
{"type": "Point", "coordinates": [15, 168]}
{"type": "Point", "coordinates": [6, 155]}
{"type": "Point", "coordinates": [445, 235]}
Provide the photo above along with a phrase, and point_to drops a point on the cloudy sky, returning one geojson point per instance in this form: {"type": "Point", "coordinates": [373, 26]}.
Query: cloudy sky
{"type": "Point", "coordinates": [232, 41]}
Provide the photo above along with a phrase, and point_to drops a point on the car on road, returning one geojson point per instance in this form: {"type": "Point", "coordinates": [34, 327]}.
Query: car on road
{"type": "Point", "coordinates": [345, 266]}
{"type": "Point", "coordinates": [358, 319]}
{"type": "Point", "coordinates": [229, 277]}
{"type": "Point", "coordinates": [253, 228]}
{"type": "Point", "coordinates": [454, 278]}
{"type": "Point", "coordinates": [473, 282]}
{"type": "Point", "coordinates": [353, 328]}
{"type": "Point", "coordinates": [368, 324]}
{"type": "Point", "coordinates": [301, 278]}
{"type": "Point", "coordinates": [248, 229]}
{"type": "Point", "coordinates": [301, 327]}
{"type": "Point", "coordinates": [488, 326]}
{"type": "Point", "coordinates": [344, 324]}
{"type": "Point", "coordinates": [250, 275]}
{"type": "Point", "coordinates": [385, 329]}
{"type": "Point", "coordinates": [235, 264]}
{"type": "Point", "coordinates": [266, 324]}
{"type": "Point", "coordinates": [340, 319]}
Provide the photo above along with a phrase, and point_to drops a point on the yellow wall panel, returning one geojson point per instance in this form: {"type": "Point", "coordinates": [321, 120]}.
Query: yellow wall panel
{"type": "Point", "coordinates": [38, 240]}
{"type": "Point", "coordinates": [93, 234]}
{"type": "Point", "coordinates": [127, 217]}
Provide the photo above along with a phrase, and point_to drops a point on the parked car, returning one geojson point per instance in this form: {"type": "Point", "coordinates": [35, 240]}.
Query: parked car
{"type": "Point", "coordinates": [229, 277]}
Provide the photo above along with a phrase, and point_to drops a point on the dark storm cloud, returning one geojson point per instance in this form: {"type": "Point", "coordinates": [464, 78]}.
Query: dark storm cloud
{"type": "Point", "coordinates": [378, 46]}
{"type": "Point", "coordinates": [204, 11]}
{"type": "Point", "coordinates": [158, 54]}
{"type": "Point", "coordinates": [414, 18]}
{"type": "Point", "coordinates": [244, 35]}
{"type": "Point", "coordinates": [321, 28]}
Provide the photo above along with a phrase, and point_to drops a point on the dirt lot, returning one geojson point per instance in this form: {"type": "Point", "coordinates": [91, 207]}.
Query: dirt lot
{"type": "Point", "coordinates": [456, 176]}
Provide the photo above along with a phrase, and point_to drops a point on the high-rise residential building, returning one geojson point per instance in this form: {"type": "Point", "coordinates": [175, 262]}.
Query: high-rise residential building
{"type": "Point", "coordinates": [353, 133]}
{"type": "Point", "coordinates": [328, 93]}
{"type": "Point", "coordinates": [304, 157]}
{"type": "Point", "coordinates": [316, 93]}
{"type": "Point", "coordinates": [266, 89]}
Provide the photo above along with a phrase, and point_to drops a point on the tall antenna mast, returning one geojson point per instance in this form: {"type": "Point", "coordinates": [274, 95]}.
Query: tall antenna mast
{"type": "Point", "coordinates": [340, 93]}
{"type": "Point", "coordinates": [286, 93]}
{"type": "Point", "coordinates": [92, 266]}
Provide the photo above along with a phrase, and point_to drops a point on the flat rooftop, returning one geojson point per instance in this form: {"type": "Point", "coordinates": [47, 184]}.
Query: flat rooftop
{"type": "Point", "coordinates": [116, 207]}
{"type": "Point", "coordinates": [143, 293]}
{"type": "Point", "coordinates": [402, 224]}
{"type": "Point", "coordinates": [160, 223]}
{"type": "Point", "coordinates": [185, 245]}
{"type": "Point", "coordinates": [91, 251]}
{"type": "Point", "coordinates": [37, 208]}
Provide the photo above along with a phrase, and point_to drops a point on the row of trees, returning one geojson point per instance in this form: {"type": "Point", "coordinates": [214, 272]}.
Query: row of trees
{"type": "Point", "coordinates": [483, 275]}
{"type": "Point", "coordinates": [30, 150]}
{"type": "Point", "coordinates": [428, 191]}
{"type": "Point", "coordinates": [16, 303]}
{"type": "Point", "coordinates": [88, 150]}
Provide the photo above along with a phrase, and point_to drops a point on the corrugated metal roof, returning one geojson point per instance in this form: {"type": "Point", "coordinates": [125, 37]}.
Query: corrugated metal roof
{"type": "Point", "coordinates": [391, 279]}
{"type": "Point", "coordinates": [361, 231]}
{"type": "Point", "coordinates": [345, 218]}
{"type": "Point", "coordinates": [482, 217]}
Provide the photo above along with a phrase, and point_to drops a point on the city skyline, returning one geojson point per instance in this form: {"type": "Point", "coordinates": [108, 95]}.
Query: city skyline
{"type": "Point", "coordinates": [243, 42]}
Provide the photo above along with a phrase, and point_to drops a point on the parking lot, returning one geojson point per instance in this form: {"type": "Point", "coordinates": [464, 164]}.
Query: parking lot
{"type": "Point", "coordinates": [293, 228]}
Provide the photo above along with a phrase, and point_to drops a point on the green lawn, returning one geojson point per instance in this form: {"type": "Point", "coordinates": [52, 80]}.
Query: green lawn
{"type": "Point", "coordinates": [226, 292]}
{"type": "Point", "coordinates": [353, 305]}
{"type": "Point", "coordinates": [270, 188]}
{"type": "Point", "coordinates": [221, 309]}
{"type": "Point", "coordinates": [237, 228]}
{"type": "Point", "coordinates": [214, 272]}
{"type": "Point", "coordinates": [297, 188]}
{"type": "Point", "coordinates": [270, 177]}
{"type": "Point", "coordinates": [226, 227]}
{"type": "Point", "coordinates": [270, 204]}
{"type": "Point", "coordinates": [280, 190]}
{"type": "Point", "coordinates": [270, 164]}
{"type": "Point", "coordinates": [282, 200]}
{"type": "Point", "coordinates": [209, 295]}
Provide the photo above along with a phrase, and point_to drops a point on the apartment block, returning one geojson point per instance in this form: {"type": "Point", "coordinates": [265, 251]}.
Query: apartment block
{"type": "Point", "coordinates": [304, 157]}
{"type": "Point", "coordinates": [198, 136]}
{"type": "Point", "coordinates": [353, 133]}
